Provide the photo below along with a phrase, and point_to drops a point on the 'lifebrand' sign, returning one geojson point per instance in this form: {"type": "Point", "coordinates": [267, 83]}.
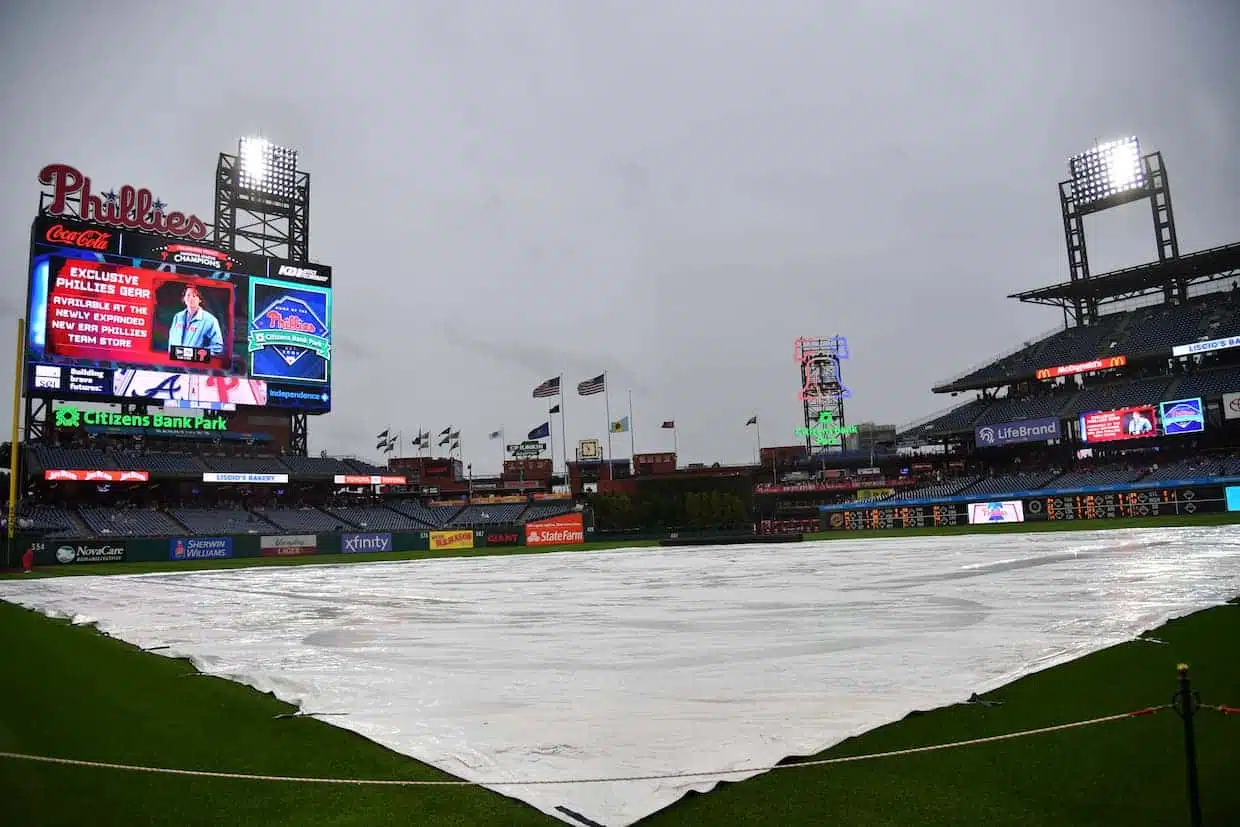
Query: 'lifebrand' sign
{"type": "Point", "coordinates": [70, 416]}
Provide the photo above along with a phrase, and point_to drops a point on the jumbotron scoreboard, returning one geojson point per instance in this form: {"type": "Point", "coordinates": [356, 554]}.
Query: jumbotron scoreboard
{"type": "Point", "coordinates": [1148, 502]}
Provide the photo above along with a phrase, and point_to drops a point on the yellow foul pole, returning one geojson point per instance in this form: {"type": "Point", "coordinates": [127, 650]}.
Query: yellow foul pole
{"type": "Point", "coordinates": [15, 448]}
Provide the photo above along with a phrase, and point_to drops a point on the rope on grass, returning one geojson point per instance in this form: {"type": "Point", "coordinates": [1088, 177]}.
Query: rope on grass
{"type": "Point", "coordinates": [456, 782]}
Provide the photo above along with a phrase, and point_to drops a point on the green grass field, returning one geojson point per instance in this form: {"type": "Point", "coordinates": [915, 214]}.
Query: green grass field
{"type": "Point", "coordinates": [71, 692]}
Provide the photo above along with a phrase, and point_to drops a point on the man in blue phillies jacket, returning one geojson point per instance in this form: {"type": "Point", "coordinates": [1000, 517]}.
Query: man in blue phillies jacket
{"type": "Point", "coordinates": [194, 326]}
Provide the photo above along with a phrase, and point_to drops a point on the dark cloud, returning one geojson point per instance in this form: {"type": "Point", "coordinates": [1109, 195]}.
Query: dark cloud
{"type": "Point", "coordinates": [673, 192]}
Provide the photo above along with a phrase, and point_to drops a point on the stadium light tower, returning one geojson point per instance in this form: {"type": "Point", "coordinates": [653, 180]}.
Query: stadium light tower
{"type": "Point", "coordinates": [262, 206]}
{"type": "Point", "coordinates": [262, 201]}
{"type": "Point", "coordinates": [1111, 174]}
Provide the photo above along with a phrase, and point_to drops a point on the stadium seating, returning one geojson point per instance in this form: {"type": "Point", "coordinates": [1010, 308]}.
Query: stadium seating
{"type": "Point", "coordinates": [545, 510]}
{"type": "Point", "coordinates": [246, 465]}
{"type": "Point", "coordinates": [128, 522]}
{"type": "Point", "coordinates": [432, 517]}
{"type": "Point", "coordinates": [221, 521]}
{"type": "Point", "coordinates": [1087, 477]}
{"type": "Point", "coordinates": [487, 514]}
{"type": "Point", "coordinates": [947, 488]}
{"type": "Point", "coordinates": [56, 456]}
{"type": "Point", "coordinates": [158, 463]}
{"type": "Point", "coordinates": [301, 519]}
{"type": "Point", "coordinates": [317, 466]}
{"type": "Point", "coordinates": [376, 518]}
{"type": "Point", "coordinates": [51, 520]}
{"type": "Point", "coordinates": [988, 486]}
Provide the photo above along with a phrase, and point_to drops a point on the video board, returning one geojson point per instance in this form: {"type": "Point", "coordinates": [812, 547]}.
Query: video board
{"type": "Point", "coordinates": [127, 316]}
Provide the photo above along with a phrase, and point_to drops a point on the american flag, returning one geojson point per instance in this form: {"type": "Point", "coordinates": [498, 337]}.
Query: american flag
{"type": "Point", "coordinates": [592, 386]}
{"type": "Point", "coordinates": [668, 423]}
{"type": "Point", "coordinates": [549, 388]}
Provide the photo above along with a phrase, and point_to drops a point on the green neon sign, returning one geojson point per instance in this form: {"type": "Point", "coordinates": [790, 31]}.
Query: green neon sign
{"type": "Point", "coordinates": [827, 432]}
{"type": "Point", "coordinates": [71, 416]}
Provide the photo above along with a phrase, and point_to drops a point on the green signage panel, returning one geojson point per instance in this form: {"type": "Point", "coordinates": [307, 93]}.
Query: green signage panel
{"type": "Point", "coordinates": [71, 416]}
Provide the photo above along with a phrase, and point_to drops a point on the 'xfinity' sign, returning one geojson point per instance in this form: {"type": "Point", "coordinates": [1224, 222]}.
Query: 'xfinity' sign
{"type": "Point", "coordinates": [1010, 433]}
{"type": "Point", "coordinates": [356, 543]}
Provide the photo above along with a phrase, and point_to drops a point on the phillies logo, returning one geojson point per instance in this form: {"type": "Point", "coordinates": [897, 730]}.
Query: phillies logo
{"type": "Point", "coordinates": [82, 239]}
{"type": "Point", "coordinates": [134, 209]}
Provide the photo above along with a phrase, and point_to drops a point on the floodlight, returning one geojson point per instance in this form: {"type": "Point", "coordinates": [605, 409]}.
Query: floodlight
{"type": "Point", "coordinates": [267, 169]}
{"type": "Point", "coordinates": [1113, 172]}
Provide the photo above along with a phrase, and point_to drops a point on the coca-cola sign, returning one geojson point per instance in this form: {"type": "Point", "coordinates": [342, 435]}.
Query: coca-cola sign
{"type": "Point", "coordinates": [85, 239]}
{"type": "Point", "coordinates": [130, 208]}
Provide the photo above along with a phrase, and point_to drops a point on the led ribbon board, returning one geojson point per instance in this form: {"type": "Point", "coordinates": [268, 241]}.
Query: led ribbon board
{"type": "Point", "coordinates": [70, 416]}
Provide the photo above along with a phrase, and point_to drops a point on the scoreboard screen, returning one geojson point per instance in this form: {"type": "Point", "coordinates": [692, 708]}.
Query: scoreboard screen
{"type": "Point", "coordinates": [1150, 502]}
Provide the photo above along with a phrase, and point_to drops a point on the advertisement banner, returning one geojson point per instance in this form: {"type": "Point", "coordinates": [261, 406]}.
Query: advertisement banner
{"type": "Point", "coordinates": [364, 543]}
{"type": "Point", "coordinates": [1105, 363]}
{"type": "Point", "coordinates": [565, 529]}
{"type": "Point", "coordinates": [247, 479]}
{"type": "Point", "coordinates": [188, 387]}
{"type": "Point", "coordinates": [1005, 511]}
{"type": "Point", "coordinates": [68, 475]}
{"type": "Point", "coordinates": [1225, 343]}
{"type": "Point", "coordinates": [115, 313]}
{"type": "Point", "coordinates": [290, 331]}
{"type": "Point", "coordinates": [1011, 433]}
{"type": "Point", "coordinates": [1182, 416]}
{"type": "Point", "coordinates": [200, 548]}
{"type": "Point", "coordinates": [288, 545]}
{"type": "Point", "coordinates": [1122, 423]}
{"type": "Point", "coordinates": [446, 540]}
{"type": "Point", "coordinates": [503, 538]}
{"type": "Point", "coordinates": [359, 479]}
{"type": "Point", "coordinates": [112, 552]}
{"type": "Point", "coordinates": [1231, 406]}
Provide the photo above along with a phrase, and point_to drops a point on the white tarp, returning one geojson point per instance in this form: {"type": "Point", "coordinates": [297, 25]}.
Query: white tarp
{"type": "Point", "coordinates": [641, 662]}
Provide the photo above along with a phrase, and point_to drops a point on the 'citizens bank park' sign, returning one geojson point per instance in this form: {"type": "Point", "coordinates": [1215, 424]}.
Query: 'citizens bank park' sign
{"type": "Point", "coordinates": [69, 416]}
{"type": "Point", "coordinates": [130, 208]}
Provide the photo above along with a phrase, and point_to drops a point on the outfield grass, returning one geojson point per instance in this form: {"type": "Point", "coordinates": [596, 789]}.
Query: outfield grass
{"type": "Point", "coordinates": [72, 692]}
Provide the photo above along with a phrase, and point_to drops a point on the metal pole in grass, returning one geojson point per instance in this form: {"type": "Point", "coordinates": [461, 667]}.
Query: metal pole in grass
{"type": "Point", "coordinates": [1185, 703]}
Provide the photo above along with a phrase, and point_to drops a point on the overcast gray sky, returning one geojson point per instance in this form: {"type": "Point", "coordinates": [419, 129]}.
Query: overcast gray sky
{"type": "Point", "coordinates": [672, 192]}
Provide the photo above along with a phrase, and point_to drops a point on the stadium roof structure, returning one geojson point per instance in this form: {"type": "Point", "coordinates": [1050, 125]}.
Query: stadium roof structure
{"type": "Point", "coordinates": [1204, 266]}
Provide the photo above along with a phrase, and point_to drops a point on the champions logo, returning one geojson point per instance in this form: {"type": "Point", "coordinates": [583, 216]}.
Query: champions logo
{"type": "Point", "coordinates": [198, 256]}
{"type": "Point", "coordinates": [291, 328]}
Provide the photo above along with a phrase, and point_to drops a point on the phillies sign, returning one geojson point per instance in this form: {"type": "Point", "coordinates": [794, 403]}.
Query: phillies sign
{"type": "Point", "coordinates": [132, 209]}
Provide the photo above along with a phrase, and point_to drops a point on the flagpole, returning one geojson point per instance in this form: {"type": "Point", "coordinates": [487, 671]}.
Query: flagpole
{"type": "Point", "coordinates": [757, 431]}
{"type": "Point", "coordinates": [563, 429]}
{"type": "Point", "coordinates": [607, 411]}
{"type": "Point", "coordinates": [503, 449]}
{"type": "Point", "coordinates": [551, 437]}
{"type": "Point", "coordinates": [675, 443]}
{"type": "Point", "coordinates": [632, 429]}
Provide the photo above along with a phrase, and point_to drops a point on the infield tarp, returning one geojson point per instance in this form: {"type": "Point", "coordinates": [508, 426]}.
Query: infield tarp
{"type": "Point", "coordinates": [557, 666]}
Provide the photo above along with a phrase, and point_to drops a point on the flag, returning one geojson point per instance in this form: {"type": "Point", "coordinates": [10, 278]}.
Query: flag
{"type": "Point", "coordinates": [391, 447]}
{"type": "Point", "coordinates": [383, 434]}
{"type": "Point", "coordinates": [454, 435]}
{"type": "Point", "coordinates": [495, 434]}
{"type": "Point", "coordinates": [620, 426]}
{"type": "Point", "coordinates": [668, 423]}
{"type": "Point", "coordinates": [444, 441]}
{"type": "Point", "coordinates": [425, 436]}
{"type": "Point", "coordinates": [753, 420]}
{"type": "Point", "coordinates": [417, 443]}
{"type": "Point", "coordinates": [446, 431]}
{"type": "Point", "coordinates": [549, 388]}
{"type": "Point", "coordinates": [382, 445]}
{"type": "Point", "coordinates": [592, 386]}
{"type": "Point", "coordinates": [456, 446]}
{"type": "Point", "coordinates": [541, 432]}
{"type": "Point", "coordinates": [555, 409]}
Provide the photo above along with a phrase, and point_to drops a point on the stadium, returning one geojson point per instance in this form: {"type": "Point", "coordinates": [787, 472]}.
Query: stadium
{"type": "Point", "coordinates": [169, 370]}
